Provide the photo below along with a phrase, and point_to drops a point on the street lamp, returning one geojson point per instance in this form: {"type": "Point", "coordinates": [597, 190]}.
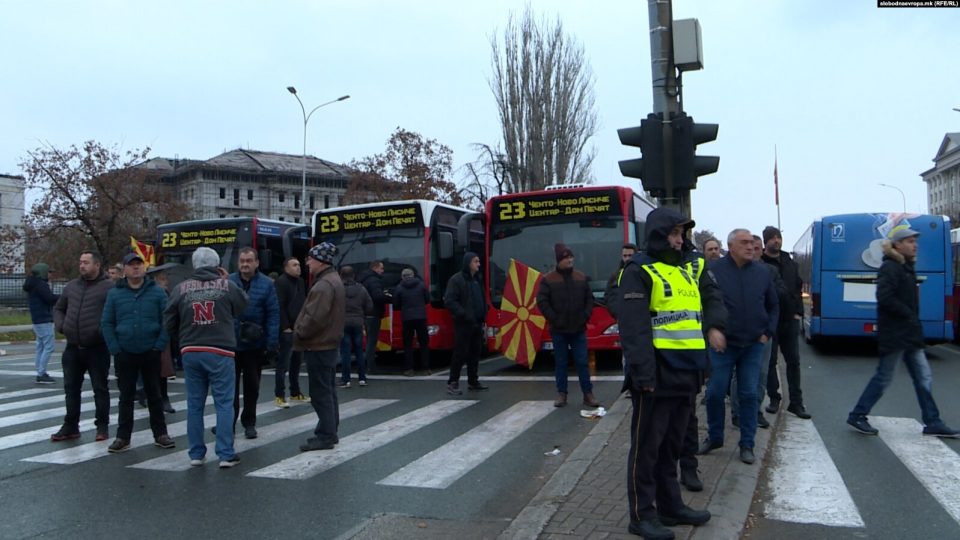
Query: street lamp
{"type": "Point", "coordinates": [306, 118]}
{"type": "Point", "coordinates": [904, 197]}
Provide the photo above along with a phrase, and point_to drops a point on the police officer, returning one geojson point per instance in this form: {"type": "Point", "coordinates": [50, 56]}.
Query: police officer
{"type": "Point", "coordinates": [661, 329]}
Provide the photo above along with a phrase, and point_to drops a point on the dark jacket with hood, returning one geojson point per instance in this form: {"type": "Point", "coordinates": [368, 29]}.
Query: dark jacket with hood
{"type": "Point", "coordinates": [646, 366]}
{"type": "Point", "coordinates": [40, 296]}
{"type": "Point", "coordinates": [791, 290]}
{"type": "Point", "coordinates": [201, 312]}
{"type": "Point", "coordinates": [750, 294]}
{"type": "Point", "coordinates": [565, 299]}
{"type": "Point", "coordinates": [411, 298]}
{"type": "Point", "coordinates": [898, 306]}
{"type": "Point", "coordinates": [464, 296]}
{"type": "Point", "coordinates": [132, 319]}
{"type": "Point", "coordinates": [291, 293]}
{"type": "Point", "coordinates": [373, 282]}
{"type": "Point", "coordinates": [77, 312]}
{"type": "Point", "coordinates": [358, 304]}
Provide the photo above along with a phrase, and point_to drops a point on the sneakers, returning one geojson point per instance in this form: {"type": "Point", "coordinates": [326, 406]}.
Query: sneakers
{"type": "Point", "coordinates": [228, 463]}
{"type": "Point", "coordinates": [281, 403]}
{"type": "Point", "coordinates": [102, 435]}
{"type": "Point", "coordinates": [799, 411]}
{"type": "Point", "coordinates": [362, 382]}
{"type": "Point", "coordinates": [197, 462]}
{"type": "Point", "coordinates": [707, 445]}
{"type": "Point", "coordinates": [64, 435]}
{"type": "Point", "coordinates": [685, 516]}
{"type": "Point", "coordinates": [561, 400]}
{"type": "Point", "coordinates": [45, 379]}
{"type": "Point", "coordinates": [941, 430]}
{"type": "Point", "coordinates": [164, 441]}
{"type": "Point", "coordinates": [300, 398]}
{"type": "Point", "coordinates": [477, 386]}
{"type": "Point", "coordinates": [860, 424]}
{"type": "Point", "coordinates": [746, 455]}
{"type": "Point", "coordinates": [118, 445]}
{"type": "Point", "coordinates": [250, 432]}
{"type": "Point", "coordinates": [454, 389]}
{"type": "Point", "coordinates": [344, 384]}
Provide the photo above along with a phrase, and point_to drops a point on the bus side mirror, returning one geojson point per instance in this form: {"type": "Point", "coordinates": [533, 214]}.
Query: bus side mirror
{"type": "Point", "coordinates": [266, 260]}
{"type": "Point", "coordinates": [446, 244]}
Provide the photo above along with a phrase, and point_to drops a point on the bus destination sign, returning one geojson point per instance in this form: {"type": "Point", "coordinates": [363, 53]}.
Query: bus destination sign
{"type": "Point", "coordinates": [374, 218]}
{"type": "Point", "coordinates": [558, 205]}
{"type": "Point", "coordinates": [200, 237]}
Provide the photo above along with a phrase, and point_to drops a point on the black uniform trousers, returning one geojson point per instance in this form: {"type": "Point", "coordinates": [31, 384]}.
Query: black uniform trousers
{"type": "Point", "coordinates": [248, 366]}
{"type": "Point", "coordinates": [656, 434]}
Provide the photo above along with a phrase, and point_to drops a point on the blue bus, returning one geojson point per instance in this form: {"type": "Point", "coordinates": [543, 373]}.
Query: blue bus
{"type": "Point", "coordinates": [839, 256]}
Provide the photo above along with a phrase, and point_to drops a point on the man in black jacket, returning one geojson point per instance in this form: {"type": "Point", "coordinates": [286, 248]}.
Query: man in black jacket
{"type": "Point", "coordinates": [610, 297]}
{"type": "Point", "coordinates": [372, 280]}
{"type": "Point", "coordinates": [77, 315]}
{"type": "Point", "coordinates": [464, 298]}
{"type": "Point", "coordinates": [900, 335]}
{"type": "Point", "coordinates": [787, 339]}
{"type": "Point", "coordinates": [410, 298]}
{"type": "Point", "coordinates": [661, 331]}
{"type": "Point", "coordinates": [291, 293]}
{"type": "Point", "coordinates": [42, 300]}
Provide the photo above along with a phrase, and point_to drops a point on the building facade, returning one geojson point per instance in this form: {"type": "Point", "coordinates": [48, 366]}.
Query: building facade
{"type": "Point", "coordinates": [943, 180]}
{"type": "Point", "coordinates": [242, 183]}
{"type": "Point", "coordinates": [11, 223]}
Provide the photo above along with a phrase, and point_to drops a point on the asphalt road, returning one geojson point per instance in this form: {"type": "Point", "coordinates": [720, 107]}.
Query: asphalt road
{"type": "Point", "coordinates": [827, 481]}
{"type": "Point", "coordinates": [471, 462]}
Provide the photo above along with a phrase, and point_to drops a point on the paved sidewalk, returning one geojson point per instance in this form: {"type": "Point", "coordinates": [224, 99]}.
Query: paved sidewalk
{"type": "Point", "coordinates": [587, 497]}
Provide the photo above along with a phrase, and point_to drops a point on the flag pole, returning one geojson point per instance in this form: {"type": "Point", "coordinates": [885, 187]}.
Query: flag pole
{"type": "Point", "coordinates": [776, 186]}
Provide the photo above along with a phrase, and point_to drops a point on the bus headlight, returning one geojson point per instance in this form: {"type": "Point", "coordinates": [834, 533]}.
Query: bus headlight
{"type": "Point", "coordinates": [613, 329]}
{"type": "Point", "coordinates": [433, 329]}
{"type": "Point", "coordinates": [492, 331]}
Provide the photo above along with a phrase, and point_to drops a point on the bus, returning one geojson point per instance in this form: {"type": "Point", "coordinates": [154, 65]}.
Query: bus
{"type": "Point", "coordinates": [955, 255]}
{"type": "Point", "coordinates": [594, 221]}
{"type": "Point", "coordinates": [416, 234]}
{"type": "Point", "coordinates": [274, 241]}
{"type": "Point", "coordinates": [838, 257]}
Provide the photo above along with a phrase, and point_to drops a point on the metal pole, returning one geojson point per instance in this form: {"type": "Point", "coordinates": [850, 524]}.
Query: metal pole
{"type": "Point", "coordinates": [664, 81]}
{"type": "Point", "coordinates": [903, 197]}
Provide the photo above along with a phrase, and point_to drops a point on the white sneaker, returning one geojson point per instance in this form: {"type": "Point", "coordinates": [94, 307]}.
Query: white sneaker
{"type": "Point", "coordinates": [197, 462]}
{"type": "Point", "coordinates": [227, 463]}
{"type": "Point", "coordinates": [362, 383]}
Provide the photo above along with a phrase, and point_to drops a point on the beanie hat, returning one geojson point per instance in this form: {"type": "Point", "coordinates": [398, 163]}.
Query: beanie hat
{"type": "Point", "coordinates": [324, 252]}
{"type": "Point", "coordinates": [41, 270]}
{"type": "Point", "coordinates": [562, 251]}
{"type": "Point", "coordinates": [769, 232]}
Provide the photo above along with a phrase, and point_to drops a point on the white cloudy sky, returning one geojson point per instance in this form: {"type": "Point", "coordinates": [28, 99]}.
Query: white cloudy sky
{"type": "Point", "coordinates": [850, 94]}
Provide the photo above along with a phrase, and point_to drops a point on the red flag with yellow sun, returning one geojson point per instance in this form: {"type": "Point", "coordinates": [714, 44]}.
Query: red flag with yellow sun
{"type": "Point", "coordinates": [522, 331]}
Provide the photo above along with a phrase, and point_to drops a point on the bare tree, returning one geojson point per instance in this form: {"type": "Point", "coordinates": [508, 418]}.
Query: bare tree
{"type": "Point", "coordinates": [700, 237]}
{"type": "Point", "coordinates": [95, 191]}
{"type": "Point", "coordinates": [485, 177]}
{"type": "Point", "coordinates": [543, 86]}
{"type": "Point", "coordinates": [11, 249]}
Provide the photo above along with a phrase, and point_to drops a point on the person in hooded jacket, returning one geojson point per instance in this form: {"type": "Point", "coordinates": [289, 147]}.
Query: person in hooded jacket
{"type": "Point", "coordinates": [291, 294]}
{"type": "Point", "coordinates": [359, 304]}
{"type": "Point", "coordinates": [411, 297]}
{"type": "Point", "coordinates": [372, 280]}
{"type": "Point", "coordinates": [464, 298]}
{"type": "Point", "coordinates": [42, 300]}
{"type": "Point", "coordinates": [662, 334]}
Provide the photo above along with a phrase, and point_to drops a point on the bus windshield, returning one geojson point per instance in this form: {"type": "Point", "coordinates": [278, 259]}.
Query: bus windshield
{"type": "Point", "coordinates": [397, 248]}
{"type": "Point", "coordinates": [595, 243]}
{"type": "Point", "coordinates": [177, 244]}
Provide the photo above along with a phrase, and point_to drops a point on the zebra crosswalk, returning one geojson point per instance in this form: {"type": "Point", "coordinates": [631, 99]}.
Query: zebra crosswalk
{"type": "Point", "coordinates": [806, 486]}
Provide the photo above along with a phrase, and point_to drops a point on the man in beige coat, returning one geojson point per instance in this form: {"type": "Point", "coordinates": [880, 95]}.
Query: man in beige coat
{"type": "Point", "coordinates": [317, 333]}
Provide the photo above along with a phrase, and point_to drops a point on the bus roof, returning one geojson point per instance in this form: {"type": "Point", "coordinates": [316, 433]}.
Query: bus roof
{"type": "Point", "coordinates": [195, 222]}
{"type": "Point", "coordinates": [427, 207]}
{"type": "Point", "coordinates": [574, 188]}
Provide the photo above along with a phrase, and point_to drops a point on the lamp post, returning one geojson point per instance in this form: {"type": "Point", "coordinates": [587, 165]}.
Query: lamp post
{"type": "Point", "coordinates": [306, 118]}
{"type": "Point", "coordinates": [904, 197]}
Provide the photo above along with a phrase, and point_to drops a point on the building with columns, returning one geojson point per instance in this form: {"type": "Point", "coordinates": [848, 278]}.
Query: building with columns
{"type": "Point", "coordinates": [943, 180]}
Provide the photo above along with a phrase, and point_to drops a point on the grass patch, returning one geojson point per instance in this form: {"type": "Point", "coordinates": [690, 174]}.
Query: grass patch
{"type": "Point", "coordinates": [17, 336]}
{"type": "Point", "coordinates": [11, 318]}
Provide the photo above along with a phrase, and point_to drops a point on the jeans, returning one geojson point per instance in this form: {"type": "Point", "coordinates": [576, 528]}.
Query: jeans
{"type": "Point", "coordinates": [288, 359]}
{"type": "Point", "coordinates": [467, 340]}
{"type": "Point", "coordinates": [129, 366]}
{"type": "Point", "coordinates": [922, 377]}
{"type": "Point", "coordinates": [44, 333]}
{"type": "Point", "coordinates": [352, 342]}
{"type": "Point", "coordinates": [761, 385]}
{"type": "Point", "coordinates": [787, 341]}
{"type": "Point", "coordinates": [420, 327]}
{"type": "Point", "coordinates": [372, 327]}
{"type": "Point", "coordinates": [563, 344]}
{"type": "Point", "coordinates": [322, 373]}
{"type": "Point", "coordinates": [747, 362]}
{"type": "Point", "coordinates": [248, 365]}
{"type": "Point", "coordinates": [201, 371]}
{"type": "Point", "coordinates": [77, 361]}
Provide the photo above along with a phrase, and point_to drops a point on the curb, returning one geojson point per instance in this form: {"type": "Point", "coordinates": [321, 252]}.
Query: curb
{"type": "Point", "coordinates": [535, 516]}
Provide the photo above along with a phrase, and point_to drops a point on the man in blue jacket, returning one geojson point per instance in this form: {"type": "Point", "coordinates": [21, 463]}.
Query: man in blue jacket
{"type": "Point", "coordinates": [132, 326]}
{"type": "Point", "coordinates": [258, 336]}
{"type": "Point", "coordinates": [42, 300]}
{"type": "Point", "coordinates": [751, 299]}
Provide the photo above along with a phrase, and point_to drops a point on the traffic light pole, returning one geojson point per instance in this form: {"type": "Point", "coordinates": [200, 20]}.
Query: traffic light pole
{"type": "Point", "coordinates": [665, 92]}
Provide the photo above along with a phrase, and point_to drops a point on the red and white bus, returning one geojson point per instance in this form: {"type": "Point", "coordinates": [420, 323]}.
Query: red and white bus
{"type": "Point", "coordinates": [594, 221]}
{"type": "Point", "coordinates": [416, 234]}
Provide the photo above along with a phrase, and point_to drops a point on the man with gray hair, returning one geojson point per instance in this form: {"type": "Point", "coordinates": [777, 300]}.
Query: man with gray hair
{"type": "Point", "coordinates": [200, 315]}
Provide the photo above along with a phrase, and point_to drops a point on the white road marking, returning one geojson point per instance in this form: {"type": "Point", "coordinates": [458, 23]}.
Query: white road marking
{"type": "Point", "coordinates": [805, 485]}
{"type": "Point", "coordinates": [308, 464]}
{"type": "Point", "coordinates": [447, 464]}
{"type": "Point", "coordinates": [30, 392]}
{"type": "Point", "coordinates": [26, 403]}
{"type": "Point", "coordinates": [932, 462]}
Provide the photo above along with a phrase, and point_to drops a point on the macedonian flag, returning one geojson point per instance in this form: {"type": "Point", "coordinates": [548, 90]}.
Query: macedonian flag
{"type": "Point", "coordinates": [522, 332]}
{"type": "Point", "coordinates": [145, 251]}
{"type": "Point", "coordinates": [385, 336]}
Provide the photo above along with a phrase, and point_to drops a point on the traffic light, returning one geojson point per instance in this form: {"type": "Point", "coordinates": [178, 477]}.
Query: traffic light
{"type": "Point", "coordinates": [648, 136]}
{"type": "Point", "coordinates": [687, 165]}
